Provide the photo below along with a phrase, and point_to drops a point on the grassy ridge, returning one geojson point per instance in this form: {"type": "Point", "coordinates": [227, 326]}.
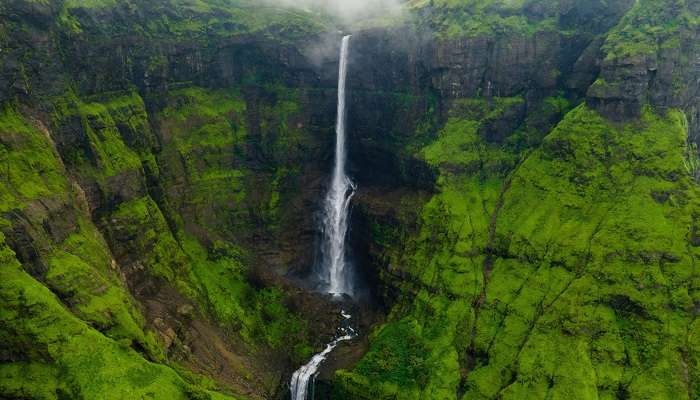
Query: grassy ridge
{"type": "Point", "coordinates": [194, 19]}
{"type": "Point", "coordinates": [571, 277]}
{"type": "Point", "coordinates": [79, 343]}
{"type": "Point", "coordinates": [74, 323]}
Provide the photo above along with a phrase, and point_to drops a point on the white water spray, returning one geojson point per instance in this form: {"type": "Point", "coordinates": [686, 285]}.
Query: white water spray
{"type": "Point", "coordinates": [335, 273]}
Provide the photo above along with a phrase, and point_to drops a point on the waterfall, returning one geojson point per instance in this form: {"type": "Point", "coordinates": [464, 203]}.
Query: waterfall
{"type": "Point", "coordinates": [335, 271]}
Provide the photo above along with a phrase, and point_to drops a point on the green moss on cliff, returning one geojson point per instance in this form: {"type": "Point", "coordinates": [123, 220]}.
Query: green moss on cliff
{"type": "Point", "coordinates": [474, 18]}
{"type": "Point", "coordinates": [142, 227]}
{"type": "Point", "coordinates": [86, 363]}
{"type": "Point", "coordinates": [78, 268]}
{"type": "Point", "coordinates": [214, 278]}
{"type": "Point", "coordinates": [81, 273]}
{"type": "Point", "coordinates": [29, 167]}
{"type": "Point", "coordinates": [460, 146]}
{"type": "Point", "coordinates": [76, 265]}
{"type": "Point", "coordinates": [394, 364]}
{"type": "Point", "coordinates": [112, 155]}
{"type": "Point", "coordinates": [210, 150]}
{"type": "Point", "coordinates": [128, 111]}
{"type": "Point", "coordinates": [259, 316]}
{"type": "Point", "coordinates": [33, 381]}
{"type": "Point", "coordinates": [648, 26]}
{"type": "Point", "coordinates": [194, 19]}
{"type": "Point", "coordinates": [596, 216]}
{"type": "Point", "coordinates": [102, 153]}
{"type": "Point", "coordinates": [204, 138]}
{"type": "Point", "coordinates": [443, 261]}
{"type": "Point", "coordinates": [570, 277]}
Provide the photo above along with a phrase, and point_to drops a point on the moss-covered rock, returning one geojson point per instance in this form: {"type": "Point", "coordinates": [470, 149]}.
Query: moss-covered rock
{"type": "Point", "coordinates": [160, 162]}
{"type": "Point", "coordinates": [65, 357]}
{"type": "Point", "coordinates": [567, 277]}
{"type": "Point", "coordinates": [108, 146]}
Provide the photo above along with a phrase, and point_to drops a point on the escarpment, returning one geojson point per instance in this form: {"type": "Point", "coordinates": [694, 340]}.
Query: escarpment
{"type": "Point", "coordinates": [525, 216]}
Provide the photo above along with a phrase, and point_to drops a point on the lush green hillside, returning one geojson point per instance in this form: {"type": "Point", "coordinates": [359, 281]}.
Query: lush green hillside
{"type": "Point", "coordinates": [526, 216]}
{"type": "Point", "coordinates": [572, 276]}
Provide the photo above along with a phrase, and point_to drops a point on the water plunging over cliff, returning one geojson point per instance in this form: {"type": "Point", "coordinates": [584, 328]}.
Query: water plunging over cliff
{"type": "Point", "coordinates": [335, 272]}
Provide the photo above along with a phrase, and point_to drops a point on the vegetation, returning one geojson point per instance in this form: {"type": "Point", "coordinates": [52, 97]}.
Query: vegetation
{"type": "Point", "coordinates": [81, 343]}
{"type": "Point", "coordinates": [649, 26]}
{"type": "Point", "coordinates": [98, 315]}
{"type": "Point", "coordinates": [197, 19]}
{"type": "Point", "coordinates": [30, 168]}
{"type": "Point", "coordinates": [71, 358]}
{"type": "Point", "coordinates": [104, 154]}
{"type": "Point", "coordinates": [472, 18]}
{"type": "Point", "coordinates": [540, 275]}
{"type": "Point", "coordinates": [154, 156]}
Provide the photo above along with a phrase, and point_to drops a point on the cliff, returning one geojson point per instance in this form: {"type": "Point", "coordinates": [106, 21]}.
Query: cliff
{"type": "Point", "coordinates": [526, 215]}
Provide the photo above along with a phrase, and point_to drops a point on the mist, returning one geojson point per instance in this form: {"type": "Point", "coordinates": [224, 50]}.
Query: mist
{"type": "Point", "coordinates": [348, 10]}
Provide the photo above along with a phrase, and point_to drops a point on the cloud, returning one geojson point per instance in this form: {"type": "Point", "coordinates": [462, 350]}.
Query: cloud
{"type": "Point", "coordinates": [349, 10]}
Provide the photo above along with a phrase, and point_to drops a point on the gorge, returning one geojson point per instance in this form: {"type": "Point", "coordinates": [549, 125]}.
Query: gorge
{"type": "Point", "coordinates": [175, 199]}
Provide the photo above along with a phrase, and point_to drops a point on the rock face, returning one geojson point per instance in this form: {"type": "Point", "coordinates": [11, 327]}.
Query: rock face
{"type": "Point", "coordinates": [151, 176]}
{"type": "Point", "coordinates": [524, 226]}
{"type": "Point", "coordinates": [642, 68]}
{"type": "Point", "coordinates": [526, 212]}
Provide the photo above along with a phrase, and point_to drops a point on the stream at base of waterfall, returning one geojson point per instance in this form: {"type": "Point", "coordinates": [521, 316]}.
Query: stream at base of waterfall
{"type": "Point", "coordinates": [303, 378]}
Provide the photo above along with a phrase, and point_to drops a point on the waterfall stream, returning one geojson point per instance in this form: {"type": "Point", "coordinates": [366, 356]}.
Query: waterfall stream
{"type": "Point", "coordinates": [302, 377]}
{"type": "Point", "coordinates": [335, 273]}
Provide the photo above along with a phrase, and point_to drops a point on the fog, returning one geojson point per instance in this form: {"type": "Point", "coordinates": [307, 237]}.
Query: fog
{"type": "Point", "coordinates": [348, 10]}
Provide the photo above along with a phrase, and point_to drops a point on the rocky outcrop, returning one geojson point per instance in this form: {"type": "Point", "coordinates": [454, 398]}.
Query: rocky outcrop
{"type": "Point", "coordinates": [658, 67]}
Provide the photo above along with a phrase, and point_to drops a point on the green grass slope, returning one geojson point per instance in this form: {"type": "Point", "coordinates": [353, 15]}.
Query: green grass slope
{"type": "Point", "coordinates": [68, 316]}
{"type": "Point", "coordinates": [71, 333]}
{"type": "Point", "coordinates": [571, 277]}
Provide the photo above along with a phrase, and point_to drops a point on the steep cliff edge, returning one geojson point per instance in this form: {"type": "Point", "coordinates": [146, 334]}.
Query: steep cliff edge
{"type": "Point", "coordinates": [556, 258]}
{"type": "Point", "coordinates": [148, 207]}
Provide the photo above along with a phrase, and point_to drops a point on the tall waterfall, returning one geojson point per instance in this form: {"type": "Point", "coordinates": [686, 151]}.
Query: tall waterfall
{"type": "Point", "coordinates": [335, 271]}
